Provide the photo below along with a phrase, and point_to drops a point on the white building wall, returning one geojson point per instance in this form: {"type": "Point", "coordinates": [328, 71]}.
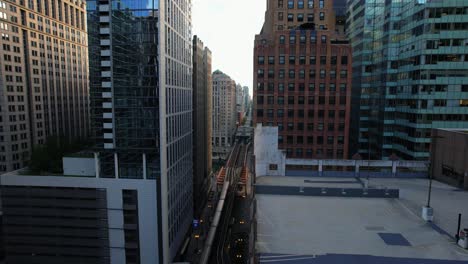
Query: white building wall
{"type": "Point", "coordinates": [147, 201]}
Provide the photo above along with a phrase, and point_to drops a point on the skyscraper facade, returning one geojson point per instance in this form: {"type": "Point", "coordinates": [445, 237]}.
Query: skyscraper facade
{"type": "Point", "coordinates": [303, 78]}
{"type": "Point", "coordinates": [202, 108]}
{"type": "Point", "coordinates": [43, 76]}
{"type": "Point", "coordinates": [141, 83]}
{"type": "Point", "coordinates": [224, 114]}
{"type": "Point", "coordinates": [410, 72]}
{"type": "Point", "coordinates": [240, 103]}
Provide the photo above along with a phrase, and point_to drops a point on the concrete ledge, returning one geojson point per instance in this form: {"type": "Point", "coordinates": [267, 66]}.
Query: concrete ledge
{"type": "Point", "coordinates": [327, 192]}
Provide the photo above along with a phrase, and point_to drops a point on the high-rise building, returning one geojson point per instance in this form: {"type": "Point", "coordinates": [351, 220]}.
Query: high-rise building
{"type": "Point", "coordinates": [202, 108]}
{"type": "Point", "coordinates": [141, 91]}
{"type": "Point", "coordinates": [240, 106]}
{"type": "Point", "coordinates": [224, 114]}
{"type": "Point", "coordinates": [409, 74]}
{"type": "Point", "coordinates": [43, 76]}
{"type": "Point", "coordinates": [246, 97]}
{"type": "Point", "coordinates": [303, 79]}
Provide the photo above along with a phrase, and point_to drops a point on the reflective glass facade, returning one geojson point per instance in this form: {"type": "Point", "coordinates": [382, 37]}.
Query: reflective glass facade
{"type": "Point", "coordinates": [141, 88]}
{"type": "Point", "coordinates": [410, 74]}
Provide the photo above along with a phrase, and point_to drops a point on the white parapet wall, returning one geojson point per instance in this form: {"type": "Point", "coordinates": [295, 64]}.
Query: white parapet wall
{"type": "Point", "coordinates": [79, 166]}
{"type": "Point", "coordinates": [269, 160]}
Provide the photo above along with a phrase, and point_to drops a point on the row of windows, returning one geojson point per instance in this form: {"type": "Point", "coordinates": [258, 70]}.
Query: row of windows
{"type": "Point", "coordinates": [300, 17]}
{"type": "Point", "coordinates": [301, 3]}
{"type": "Point", "coordinates": [299, 127]}
{"type": "Point", "coordinates": [309, 153]}
{"type": "Point", "coordinates": [301, 100]}
{"type": "Point", "coordinates": [57, 10]}
{"type": "Point", "coordinates": [301, 87]}
{"type": "Point", "coordinates": [303, 38]}
{"type": "Point", "coordinates": [301, 60]}
{"type": "Point", "coordinates": [301, 74]}
{"type": "Point", "coordinates": [291, 113]}
{"type": "Point", "coordinates": [319, 140]}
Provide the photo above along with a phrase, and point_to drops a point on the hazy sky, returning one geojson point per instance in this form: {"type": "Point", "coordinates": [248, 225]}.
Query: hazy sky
{"type": "Point", "coordinates": [228, 28]}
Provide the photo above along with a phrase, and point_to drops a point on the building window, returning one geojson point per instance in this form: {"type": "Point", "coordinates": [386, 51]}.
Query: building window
{"type": "Point", "coordinates": [291, 87]}
{"type": "Point", "coordinates": [282, 39]}
{"type": "Point", "coordinates": [259, 100]}
{"type": "Point", "coordinates": [323, 60]}
{"type": "Point", "coordinates": [292, 74]}
{"type": "Point", "coordinates": [300, 18]}
{"type": "Point", "coordinates": [280, 3]}
{"type": "Point", "coordinates": [300, 100]}
{"type": "Point", "coordinates": [322, 74]}
{"type": "Point", "coordinates": [280, 113]}
{"type": "Point", "coordinates": [271, 59]}
{"type": "Point", "coordinates": [292, 60]}
{"type": "Point", "coordinates": [302, 60]}
{"type": "Point", "coordinates": [271, 74]}
{"type": "Point", "coordinates": [312, 73]}
{"type": "Point", "coordinates": [321, 4]}
{"type": "Point", "coordinates": [344, 60]}
{"type": "Point", "coordinates": [343, 87]}
{"type": "Point", "coordinates": [302, 38]}
{"type": "Point", "coordinates": [311, 87]}
{"type": "Point", "coordinates": [343, 74]}
{"type": "Point", "coordinates": [260, 86]}
{"type": "Point", "coordinates": [301, 74]}
{"type": "Point", "coordinates": [280, 16]}
{"type": "Point", "coordinates": [281, 87]}
{"type": "Point", "coordinates": [312, 60]}
{"type": "Point", "coordinates": [290, 17]}
{"type": "Point", "coordinates": [259, 112]}
{"type": "Point", "coordinates": [300, 4]}
{"type": "Point", "coordinates": [292, 39]}
{"type": "Point", "coordinates": [310, 17]}
{"type": "Point", "coordinates": [322, 16]}
{"type": "Point", "coordinates": [290, 4]}
{"type": "Point", "coordinates": [310, 3]}
{"type": "Point", "coordinates": [281, 60]}
{"type": "Point", "coordinates": [280, 102]}
{"type": "Point", "coordinates": [281, 74]}
{"type": "Point", "coordinates": [261, 60]}
{"type": "Point", "coordinates": [324, 39]}
{"type": "Point", "coordinates": [260, 73]}
{"type": "Point", "coordinates": [271, 87]}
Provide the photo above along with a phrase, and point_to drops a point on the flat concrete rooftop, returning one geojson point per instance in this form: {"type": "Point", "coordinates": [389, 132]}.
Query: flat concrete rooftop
{"type": "Point", "coordinates": [306, 229]}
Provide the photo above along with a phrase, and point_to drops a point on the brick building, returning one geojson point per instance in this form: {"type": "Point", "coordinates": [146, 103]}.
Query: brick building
{"type": "Point", "coordinates": [302, 77]}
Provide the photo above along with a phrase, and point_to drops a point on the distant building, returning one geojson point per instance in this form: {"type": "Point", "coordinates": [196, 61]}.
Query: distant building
{"type": "Point", "coordinates": [240, 103]}
{"type": "Point", "coordinates": [202, 122]}
{"type": "Point", "coordinates": [303, 79]}
{"type": "Point", "coordinates": [43, 76]}
{"type": "Point", "coordinates": [409, 74]}
{"type": "Point", "coordinates": [246, 97]}
{"type": "Point", "coordinates": [224, 114]}
{"type": "Point", "coordinates": [449, 156]}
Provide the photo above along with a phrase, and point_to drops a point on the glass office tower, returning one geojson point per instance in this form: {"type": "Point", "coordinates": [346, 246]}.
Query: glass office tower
{"type": "Point", "coordinates": [141, 95]}
{"type": "Point", "coordinates": [409, 74]}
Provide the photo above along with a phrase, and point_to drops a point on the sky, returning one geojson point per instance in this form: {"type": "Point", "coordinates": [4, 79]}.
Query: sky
{"type": "Point", "coordinates": [228, 29]}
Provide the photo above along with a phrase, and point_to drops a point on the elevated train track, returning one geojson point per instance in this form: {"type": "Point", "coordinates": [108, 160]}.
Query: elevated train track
{"type": "Point", "coordinates": [228, 179]}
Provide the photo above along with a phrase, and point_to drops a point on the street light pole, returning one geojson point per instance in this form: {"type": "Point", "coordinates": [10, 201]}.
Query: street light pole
{"type": "Point", "coordinates": [428, 211]}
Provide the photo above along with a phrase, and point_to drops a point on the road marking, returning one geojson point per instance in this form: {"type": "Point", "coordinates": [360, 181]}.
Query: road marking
{"type": "Point", "coordinates": [291, 259]}
{"type": "Point", "coordinates": [277, 256]}
{"type": "Point", "coordinates": [264, 235]}
{"type": "Point", "coordinates": [405, 207]}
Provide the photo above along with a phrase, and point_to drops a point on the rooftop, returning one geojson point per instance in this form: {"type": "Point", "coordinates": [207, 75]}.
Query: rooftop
{"type": "Point", "coordinates": [311, 229]}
